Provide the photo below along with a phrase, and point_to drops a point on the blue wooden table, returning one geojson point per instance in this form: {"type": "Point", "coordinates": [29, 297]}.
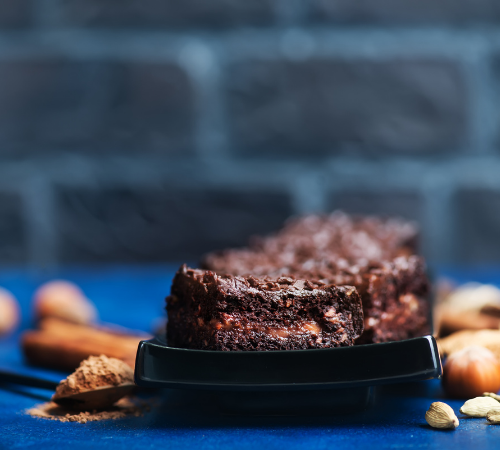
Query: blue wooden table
{"type": "Point", "coordinates": [133, 297]}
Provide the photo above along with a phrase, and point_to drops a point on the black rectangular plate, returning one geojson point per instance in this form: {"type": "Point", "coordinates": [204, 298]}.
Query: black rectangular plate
{"type": "Point", "coordinates": [158, 365]}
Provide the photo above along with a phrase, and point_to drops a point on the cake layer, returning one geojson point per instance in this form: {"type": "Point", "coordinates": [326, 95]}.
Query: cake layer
{"type": "Point", "coordinates": [225, 312]}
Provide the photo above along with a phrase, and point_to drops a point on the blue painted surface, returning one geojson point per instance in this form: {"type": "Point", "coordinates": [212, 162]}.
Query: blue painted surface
{"type": "Point", "coordinates": [133, 297]}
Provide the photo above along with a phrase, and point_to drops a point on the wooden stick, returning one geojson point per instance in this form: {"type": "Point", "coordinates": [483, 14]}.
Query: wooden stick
{"type": "Point", "coordinates": [63, 345]}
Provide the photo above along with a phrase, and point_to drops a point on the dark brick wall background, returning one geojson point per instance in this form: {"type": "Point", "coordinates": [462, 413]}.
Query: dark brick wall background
{"type": "Point", "coordinates": [156, 130]}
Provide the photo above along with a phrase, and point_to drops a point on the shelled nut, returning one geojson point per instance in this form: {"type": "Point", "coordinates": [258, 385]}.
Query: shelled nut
{"type": "Point", "coordinates": [441, 415]}
{"type": "Point", "coordinates": [492, 395]}
{"type": "Point", "coordinates": [479, 406]}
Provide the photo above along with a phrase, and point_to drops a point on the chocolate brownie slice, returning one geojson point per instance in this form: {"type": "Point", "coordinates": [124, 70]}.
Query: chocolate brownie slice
{"type": "Point", "coordinates": [374, 255]}
{"type": "Point", "coordinates": [394, 293]}
{"type": "Point", "coordinates": [223, 312]}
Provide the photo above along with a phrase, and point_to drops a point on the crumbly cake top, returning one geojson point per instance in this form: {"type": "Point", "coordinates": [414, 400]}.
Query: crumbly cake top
{"type": "Point", "coordinates": [231, 284]}
{"type": "Point", "coordinates": [349, 237]}
{"type": "Point", "coordinates": [337, 241]}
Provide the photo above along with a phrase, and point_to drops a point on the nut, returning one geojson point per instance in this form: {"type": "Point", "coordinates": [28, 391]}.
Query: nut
{"type": "Point", "coordinates": [63, 300]}
{"type": "Point", "coordinates": [492, 395]}
{"type": "Point", "coordinates": [473, 297]}
{"type": "Point", "coordinates": [441, 415]}
{"type": "Point", "coordinates": [479, 406]}
{"type": "Point", "coordinates": [470, 372]}
{"type": "Point", "coordinates": [489, 339]}
{"type": "Point", "coordinates": [9, 312]}
{"type": "Point", "coordinates": [493, 416]}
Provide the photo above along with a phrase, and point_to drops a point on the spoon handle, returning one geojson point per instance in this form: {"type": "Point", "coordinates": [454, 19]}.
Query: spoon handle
{"type": "Point", "coordinates": [25, 380]}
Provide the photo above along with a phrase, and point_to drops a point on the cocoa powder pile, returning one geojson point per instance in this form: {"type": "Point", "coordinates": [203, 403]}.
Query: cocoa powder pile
{"type": "Point", "coordinates": [94, 372]}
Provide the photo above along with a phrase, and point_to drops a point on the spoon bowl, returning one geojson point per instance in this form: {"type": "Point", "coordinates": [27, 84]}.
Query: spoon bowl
{"type": "Point", "coordinates": [99, 398]}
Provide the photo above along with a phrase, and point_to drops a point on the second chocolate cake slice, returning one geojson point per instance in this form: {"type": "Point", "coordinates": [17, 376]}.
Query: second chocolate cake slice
{"type": "Point", "coordinates": [375, 255]}
{"type": "Point", "coordinates": [223, 312]}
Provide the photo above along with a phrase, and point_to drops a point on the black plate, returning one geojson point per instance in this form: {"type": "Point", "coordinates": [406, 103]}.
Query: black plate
{"type": "Point", "coordinates": [158, 365]}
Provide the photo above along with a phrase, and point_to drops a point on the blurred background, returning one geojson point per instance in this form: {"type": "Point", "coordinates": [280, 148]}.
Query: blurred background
{"type": "Point", "coordinates": [156, 130]}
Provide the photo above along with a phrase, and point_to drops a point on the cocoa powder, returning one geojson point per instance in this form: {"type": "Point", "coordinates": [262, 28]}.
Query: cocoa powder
{"type": "Point", "coordinates": [95, 372]}
{"type": "Point", "coordinates": [122, 408]}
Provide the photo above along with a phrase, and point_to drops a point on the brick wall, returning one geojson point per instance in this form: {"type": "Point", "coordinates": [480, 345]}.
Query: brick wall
{"type": "Point", "coordinates": [156, 130]}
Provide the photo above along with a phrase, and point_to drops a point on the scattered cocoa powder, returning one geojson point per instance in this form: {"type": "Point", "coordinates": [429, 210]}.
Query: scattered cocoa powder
{"type": "Point", "coordinates": [95, 372]}
{"type": "Point", "coordinates": [127, 406]}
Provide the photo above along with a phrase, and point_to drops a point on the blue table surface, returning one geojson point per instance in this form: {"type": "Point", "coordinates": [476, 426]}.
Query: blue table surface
{"type": "Point", "coordinates": [133, 297]}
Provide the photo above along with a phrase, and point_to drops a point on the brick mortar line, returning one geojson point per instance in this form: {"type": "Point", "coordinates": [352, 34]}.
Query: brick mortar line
{"type": "Point", "coordinates": [358, 43]}
{"type": "Point", "coordinates": [201, 66]}
{"type": "Point", "coordinates": [40, 221]}
{"type": "Point", "coordinates": [438, 219]}
{"type": "Point", "coordinates": [470, 172]}
{"type": "Point", "coordinates": [462, 172]}
{"type": "Point", "coordinates": [308, 192]}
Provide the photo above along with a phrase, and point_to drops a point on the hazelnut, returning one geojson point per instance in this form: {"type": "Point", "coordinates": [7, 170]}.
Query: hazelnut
{"type": "Point", "coordinates": [9, 312]}
{"type": "Point", "coordinates": [63, 300]}
{"type": "Point", "coordinates": [471, 371]}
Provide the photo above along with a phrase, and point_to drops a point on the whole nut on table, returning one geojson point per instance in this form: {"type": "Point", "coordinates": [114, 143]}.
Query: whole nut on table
{"type": "Point", "coordinates": [470, 372]}
{"type": "Point", "coordinates": [9, 312]}
{"type": "Point", "coordinates": [64, 300]}
{"type": "Point", "coordinates": [441, 415]}
{"type": "Point", "coordinates": [492, 395]}
{"type": "Point", "coordinates": [479, 406]}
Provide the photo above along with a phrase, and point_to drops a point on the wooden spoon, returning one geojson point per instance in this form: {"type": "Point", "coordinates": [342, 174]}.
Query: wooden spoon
{"type": "Point", "coordinates": [98, 398]}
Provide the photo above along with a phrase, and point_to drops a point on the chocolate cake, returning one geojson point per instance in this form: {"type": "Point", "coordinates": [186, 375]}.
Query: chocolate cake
{"type": "Point", "coordinates": [375, 255]}
{"type": "Point", "coordinates": [346, 240]}
{"type": "Point", "coordinates": [212, 311]}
